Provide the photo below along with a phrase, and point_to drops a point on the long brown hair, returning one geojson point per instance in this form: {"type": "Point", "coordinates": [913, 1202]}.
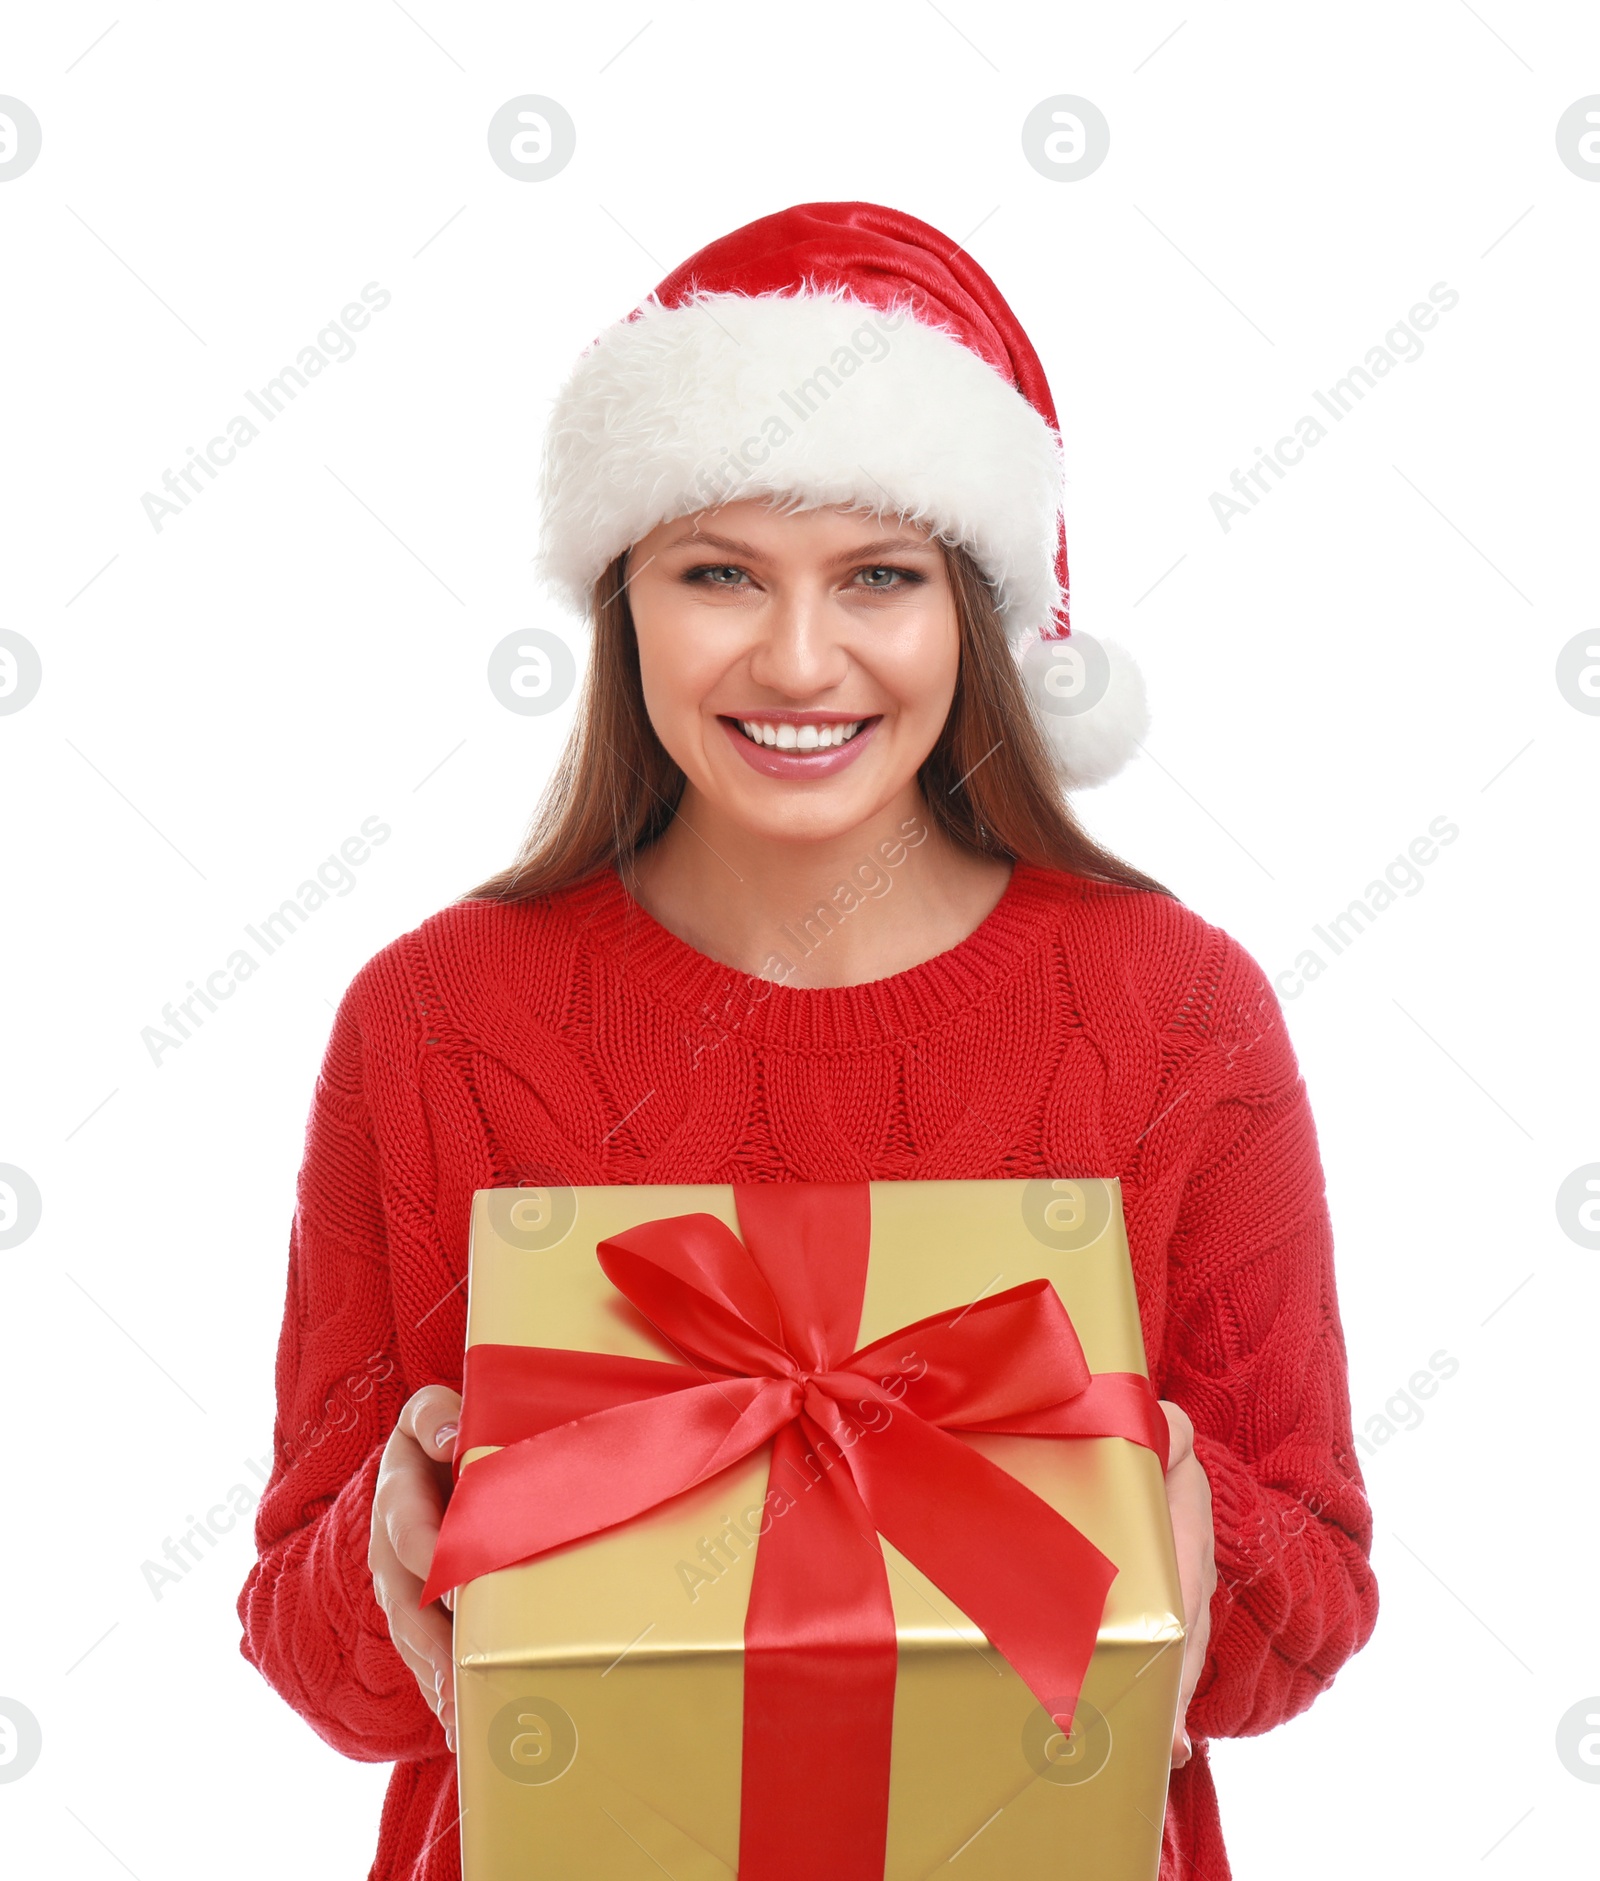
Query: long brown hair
{"type": "Point", "coordinates": [989, 782]}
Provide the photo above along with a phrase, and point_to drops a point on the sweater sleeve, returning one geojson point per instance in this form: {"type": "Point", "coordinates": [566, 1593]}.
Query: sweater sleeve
{"type": "Point", "coordinates": [312, 1625]}
{"type": "Point", "coordinates": [1255, 1353]}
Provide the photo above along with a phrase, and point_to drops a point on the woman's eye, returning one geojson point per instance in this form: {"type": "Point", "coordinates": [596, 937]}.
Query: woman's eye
{"type": "Point", "coordinates": [882, 578]}
{"type": "Point", "coordinates": [717, 575]}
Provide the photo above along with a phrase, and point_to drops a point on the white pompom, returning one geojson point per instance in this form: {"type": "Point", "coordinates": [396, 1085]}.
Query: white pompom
{"type": "Point", "coordinates": [1089, 700]}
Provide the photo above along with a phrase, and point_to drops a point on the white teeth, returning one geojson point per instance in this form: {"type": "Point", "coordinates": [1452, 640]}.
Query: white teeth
{"type": "Point", "coordinates": [786, 736]}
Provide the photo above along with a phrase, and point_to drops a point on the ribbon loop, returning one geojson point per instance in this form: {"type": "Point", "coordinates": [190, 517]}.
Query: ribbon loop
{"type": "Point", "coordinates": [1000, 1357]}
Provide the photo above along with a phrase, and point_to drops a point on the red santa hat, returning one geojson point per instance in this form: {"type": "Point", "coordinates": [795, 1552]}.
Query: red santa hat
{"type": "Point", "coordinates": [841, 353]}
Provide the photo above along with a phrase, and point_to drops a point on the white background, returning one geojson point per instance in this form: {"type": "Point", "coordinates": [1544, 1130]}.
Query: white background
{"type": "Point", "coordinates": [224, 701]}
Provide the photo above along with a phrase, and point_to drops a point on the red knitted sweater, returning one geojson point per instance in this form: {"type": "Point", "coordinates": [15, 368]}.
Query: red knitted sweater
{"type": "Point", "coordinates": [1079, 1030]}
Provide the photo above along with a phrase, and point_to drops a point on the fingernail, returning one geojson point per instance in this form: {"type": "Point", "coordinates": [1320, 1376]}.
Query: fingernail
{"type": "Point", "coordinates": [445, 1434]}
{"type": "Point", "coordinates": [438, 1680]}
{"type": "Point", "coordinates": [1188, 1748]}
{"type": "Point", "coordinates": [450, 1737]}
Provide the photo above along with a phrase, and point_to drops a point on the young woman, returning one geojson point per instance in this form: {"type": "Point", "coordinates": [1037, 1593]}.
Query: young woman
{"type": "Point", "coordinates": [806, 902]}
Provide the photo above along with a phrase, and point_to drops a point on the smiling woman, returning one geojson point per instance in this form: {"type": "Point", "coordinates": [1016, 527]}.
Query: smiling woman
{"type": "Point", "coordinates": [806, 660]}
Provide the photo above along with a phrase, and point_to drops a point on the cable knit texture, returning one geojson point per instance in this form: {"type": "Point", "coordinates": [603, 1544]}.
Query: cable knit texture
{"type": "Point", "coordinates": [1080, 1030]}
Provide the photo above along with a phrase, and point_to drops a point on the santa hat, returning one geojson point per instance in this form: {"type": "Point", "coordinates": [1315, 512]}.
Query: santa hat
{"type": "Point", "coordinates": [841, 353]}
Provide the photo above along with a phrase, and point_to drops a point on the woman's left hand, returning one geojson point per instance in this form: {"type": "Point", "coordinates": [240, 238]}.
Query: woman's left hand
{"type": "Point", "coordinates": [1189, 1498]}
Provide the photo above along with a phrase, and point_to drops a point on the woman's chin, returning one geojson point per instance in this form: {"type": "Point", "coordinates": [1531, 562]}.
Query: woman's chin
{"type": "Point", "coordinates": [792, 809]}
{"type": "Point", "coordinates": [793, 823]}
{"type": "Point", "coordinates": [775, 812]}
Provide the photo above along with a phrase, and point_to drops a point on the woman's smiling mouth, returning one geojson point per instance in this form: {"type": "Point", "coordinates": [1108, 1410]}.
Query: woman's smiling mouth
{"type": "Point", "coordinates": [793, 744]}
{"type": "Point", "coordinates": [808, 735]}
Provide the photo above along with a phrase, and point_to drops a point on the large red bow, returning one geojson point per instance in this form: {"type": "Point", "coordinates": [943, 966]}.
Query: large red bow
{"type": "Point", "coordinates": [767, 1330]}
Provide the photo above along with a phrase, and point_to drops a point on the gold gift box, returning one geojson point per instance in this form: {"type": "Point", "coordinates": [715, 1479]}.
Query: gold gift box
{"type": "Point", "coordinates": [600, 1688]}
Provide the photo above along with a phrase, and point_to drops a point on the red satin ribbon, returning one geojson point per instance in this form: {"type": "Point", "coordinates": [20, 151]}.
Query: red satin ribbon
{"type": "Point", "coordinates": [861, 1447]}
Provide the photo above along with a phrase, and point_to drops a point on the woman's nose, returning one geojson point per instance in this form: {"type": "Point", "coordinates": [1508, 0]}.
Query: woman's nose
{"type": "Point", "coordinates": [798, 651]}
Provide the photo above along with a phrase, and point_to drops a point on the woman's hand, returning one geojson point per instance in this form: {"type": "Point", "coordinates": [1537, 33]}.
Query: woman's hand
{"type": "Point", "coordinates": [1189, 1498]}
{"type": "Point", "coordinates": [413, 1487]}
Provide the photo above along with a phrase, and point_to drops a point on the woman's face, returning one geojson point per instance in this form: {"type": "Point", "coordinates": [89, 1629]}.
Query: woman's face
{"type": "Point", "coordinates": [798, 667]}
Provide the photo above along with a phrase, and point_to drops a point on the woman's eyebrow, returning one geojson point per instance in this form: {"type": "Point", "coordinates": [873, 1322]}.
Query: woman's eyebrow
{"type": "Point", "coordinates": [701, 538]}
{"type": "Point", "coordinates": [886, 545]}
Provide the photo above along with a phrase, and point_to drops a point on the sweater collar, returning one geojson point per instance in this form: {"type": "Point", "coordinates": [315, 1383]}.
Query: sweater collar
{"type": "Point", "coordinates": [716, 999]}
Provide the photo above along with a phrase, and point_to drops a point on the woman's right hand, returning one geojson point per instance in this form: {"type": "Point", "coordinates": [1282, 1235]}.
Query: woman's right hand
{"type": "Point", "coordinates": [413, 1487]}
